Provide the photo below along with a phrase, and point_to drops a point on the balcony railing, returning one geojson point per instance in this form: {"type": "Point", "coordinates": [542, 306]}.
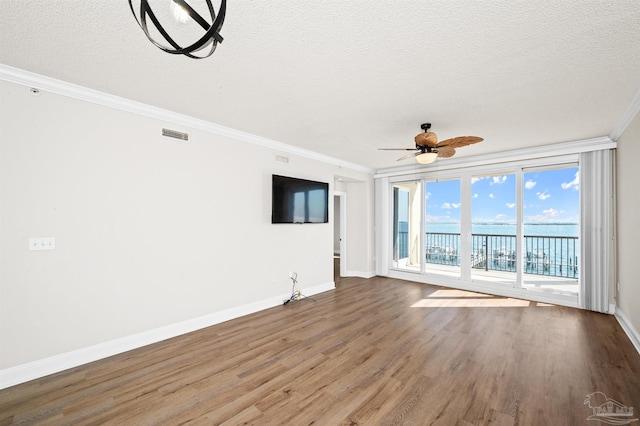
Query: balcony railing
{"type": "Point", "coordinates": [555, 256]}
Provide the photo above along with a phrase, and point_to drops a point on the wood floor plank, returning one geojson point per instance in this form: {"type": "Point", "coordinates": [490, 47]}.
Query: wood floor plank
{"type": "Point", "coordinates": [374, 351]}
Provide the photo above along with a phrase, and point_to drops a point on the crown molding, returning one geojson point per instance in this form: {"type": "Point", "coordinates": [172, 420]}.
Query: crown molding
{"type": "Point", "coordinates": [629, 114]}
{"type": "Point", "coordinates": [52, 85]}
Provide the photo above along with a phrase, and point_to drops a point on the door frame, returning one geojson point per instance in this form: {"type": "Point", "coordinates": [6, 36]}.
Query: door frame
{"type": "Point", "coordinates": [342, 230]}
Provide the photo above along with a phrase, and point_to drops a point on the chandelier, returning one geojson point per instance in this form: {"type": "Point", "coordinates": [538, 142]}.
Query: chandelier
{"type": "Point", "coordinates": [187, 25]}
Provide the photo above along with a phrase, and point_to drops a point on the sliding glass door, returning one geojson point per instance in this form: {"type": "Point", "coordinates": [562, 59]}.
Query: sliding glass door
{"type": "Point", "coordinates": [407, 226]}
{"type": "Point", "coordinates": [493, 228]}
{"type": "Point", "coordinates": [442, 227]}
{"type": "Point", "coordinates": [515, 229]}
{"type": "Point", "coordinates": [551, 229]}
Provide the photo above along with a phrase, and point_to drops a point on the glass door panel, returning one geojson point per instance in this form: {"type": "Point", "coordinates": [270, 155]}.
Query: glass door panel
{"type": "Point", "coordinates": [406, 226]}
{"type": "Point", "coordinates": [551, 230]}
{"type": "Point", "coordinates": [493, 228]}
{"type": "Point", "coordinates": [442, 227]}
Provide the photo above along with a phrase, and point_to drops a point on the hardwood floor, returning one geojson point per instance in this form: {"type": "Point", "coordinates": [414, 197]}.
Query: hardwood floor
{"type": "Point", "coordinates": [377, 351]}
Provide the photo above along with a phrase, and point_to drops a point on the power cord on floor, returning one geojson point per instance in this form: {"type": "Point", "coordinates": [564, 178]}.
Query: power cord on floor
{"type": "Point", "coordinates": [295, 293]}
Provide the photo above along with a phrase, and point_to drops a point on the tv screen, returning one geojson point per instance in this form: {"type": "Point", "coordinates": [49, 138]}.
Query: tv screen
{"type": "Point", "coordinates": [299, 200]}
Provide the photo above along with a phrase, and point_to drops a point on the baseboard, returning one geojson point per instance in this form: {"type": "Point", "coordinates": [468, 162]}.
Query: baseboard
{"type": "Point", "coordinates": [628, 328]}
{"type": "Point", "coordinates": [44, 367]}
{"type": "Point", "coordinates": [359, 274]}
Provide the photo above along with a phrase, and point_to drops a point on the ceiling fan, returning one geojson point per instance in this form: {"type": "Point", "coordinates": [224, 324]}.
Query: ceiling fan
{"type": "Point", "coordinates": [428, 148]}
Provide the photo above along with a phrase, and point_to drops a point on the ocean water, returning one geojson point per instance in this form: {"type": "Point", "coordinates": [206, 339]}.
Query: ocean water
{"type": "Point", "coordinates": [530, 229]}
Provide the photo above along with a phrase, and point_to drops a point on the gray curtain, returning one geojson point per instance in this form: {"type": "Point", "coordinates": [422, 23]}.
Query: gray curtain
{"type": "Point", "coordinates": [597, 245]}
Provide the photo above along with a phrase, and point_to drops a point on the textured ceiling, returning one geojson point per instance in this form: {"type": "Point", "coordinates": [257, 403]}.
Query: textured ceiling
{"type": "Point", "coordinates": [344, 78]}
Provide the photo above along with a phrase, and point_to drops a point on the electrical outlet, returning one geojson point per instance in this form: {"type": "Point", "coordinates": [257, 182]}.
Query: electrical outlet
{"type": "Point", "coordinates": [47, 243]}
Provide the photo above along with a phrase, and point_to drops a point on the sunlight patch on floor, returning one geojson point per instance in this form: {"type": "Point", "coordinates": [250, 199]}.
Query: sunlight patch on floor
{"type": "Point", "coordinates": [459, 299]}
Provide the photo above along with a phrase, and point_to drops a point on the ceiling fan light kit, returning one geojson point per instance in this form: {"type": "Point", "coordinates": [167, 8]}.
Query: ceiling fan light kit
{"type": "Point", "coordinates": [428, 148]}
{"type": "Point", "coordinates": [426, 157]}
{"type": "Point", "coordinates": [181, 12]}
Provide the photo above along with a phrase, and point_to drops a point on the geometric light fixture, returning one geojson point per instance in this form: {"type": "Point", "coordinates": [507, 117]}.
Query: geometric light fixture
{"type": "Point", "coordinates": [187, 38]}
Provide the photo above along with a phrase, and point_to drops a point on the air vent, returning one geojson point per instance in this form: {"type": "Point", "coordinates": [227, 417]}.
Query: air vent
{"type": "Point", "coordinates": [175, 134]}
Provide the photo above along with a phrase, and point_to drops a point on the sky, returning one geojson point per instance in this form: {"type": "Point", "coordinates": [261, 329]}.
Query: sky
{"type": "Point", "coordinates": [550, 196]}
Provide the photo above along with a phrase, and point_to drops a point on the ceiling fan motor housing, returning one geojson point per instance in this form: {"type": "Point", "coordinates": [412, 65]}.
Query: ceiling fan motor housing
{"type": "Point", "coordinates": [425, 148]}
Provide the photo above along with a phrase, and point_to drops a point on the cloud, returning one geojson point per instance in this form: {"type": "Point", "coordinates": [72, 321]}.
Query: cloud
{"type": "Point", "coordinates": [450, 206]}
{"type": "Point", "coordinates": [475, 179]}
{"type": "Point", "coordinates": [475, 195]}
{"type": "Point", "coordinates": [543, 195]}
{"type": "Point", "coordinates": [530, 184]}
{"type": "Point", "coordinates": [433, 218]}
{"type": "Point", "coordinates": [498, 180]}
{"type": "Point", "coordinates": [551, 212]}
{"type": "Point", "coordinates": [510, 205]}
{"type": "Point", "coordinates": [427, 195]}
{"type": "Point", "coordinates": [501, 216]}
{"type": "Point", "coordinates": [549, 216]}
{"type": "Point", "coordinates": [492, 196]}
{"type": "Point", "coordinates": [575, 183]}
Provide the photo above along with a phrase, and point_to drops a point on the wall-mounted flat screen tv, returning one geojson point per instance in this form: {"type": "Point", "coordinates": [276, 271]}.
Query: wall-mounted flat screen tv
{"type": "Point", "coordinates": [299, 200]}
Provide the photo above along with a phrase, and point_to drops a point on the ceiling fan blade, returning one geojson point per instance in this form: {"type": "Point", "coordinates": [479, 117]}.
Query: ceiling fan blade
{"type": "Point", "coordinates": [404, 157]}
{"type": "Point", "coordinates": [397, 149]}
{"type": "Point", "coordinates": [426, 139]}
{"type": "Point", "coordinates": [446, 151]}
{"type": "Point", "coordinates": [460, 141]}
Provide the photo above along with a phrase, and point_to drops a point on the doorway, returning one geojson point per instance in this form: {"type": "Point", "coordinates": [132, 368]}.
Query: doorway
{"type": "Point", "coordinates": [339, 234]}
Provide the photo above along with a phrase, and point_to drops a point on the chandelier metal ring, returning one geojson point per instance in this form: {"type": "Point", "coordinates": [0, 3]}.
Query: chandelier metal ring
{"type": "Point", "coordinates": [209, 40]}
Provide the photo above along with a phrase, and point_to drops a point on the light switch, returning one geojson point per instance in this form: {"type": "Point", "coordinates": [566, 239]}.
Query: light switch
{"type": "Point", "coordinates": [47, 243]}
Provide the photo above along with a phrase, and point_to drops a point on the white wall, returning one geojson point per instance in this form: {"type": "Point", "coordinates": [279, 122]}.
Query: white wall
{"type": "Point", "coordinates": [628, 224]}
{"type": "Point", "coordinates": [149, 231]}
